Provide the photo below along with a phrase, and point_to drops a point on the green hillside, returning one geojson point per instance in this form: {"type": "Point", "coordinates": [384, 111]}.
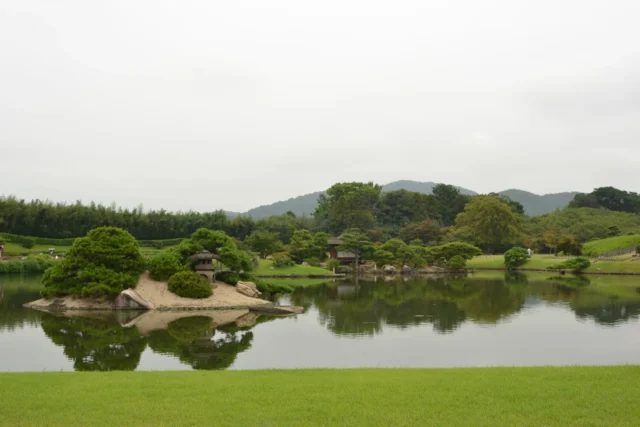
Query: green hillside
{"type": "Point", "coordinates": [306, 204]}
{"type": "Point", "coordinates": [598, 247]}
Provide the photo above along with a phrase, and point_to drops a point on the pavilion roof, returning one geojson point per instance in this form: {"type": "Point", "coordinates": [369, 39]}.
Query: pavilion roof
{"type": "Point", "coordinates": [205, 255]}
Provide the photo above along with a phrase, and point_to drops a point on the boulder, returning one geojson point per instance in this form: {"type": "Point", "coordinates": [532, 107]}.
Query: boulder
{"type": "Point", "coordinates": [406, 269]}
{"type": "Point", "coordinates": [276, 309]}
{"type": "Point", "coordinates": [305, 264]}
{"type": "Point", "coordinates": [389, 269]}
{"type": "Point", "coordinates": [131, 300]}
{"type": "Point", "coordinates": [248, 289]}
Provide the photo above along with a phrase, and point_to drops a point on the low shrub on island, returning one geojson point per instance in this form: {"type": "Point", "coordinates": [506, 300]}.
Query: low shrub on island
{"type": "Point", "coordinates": [188, 284]}
{"type": "Point", "coordinates": [103, 263]}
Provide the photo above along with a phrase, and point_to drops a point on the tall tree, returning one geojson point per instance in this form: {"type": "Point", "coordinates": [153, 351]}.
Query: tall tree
{"type": "Point", "coordinates": [490, 222]}
{"type": "Point", "coordinates": [348, 205]}
{"type": "Point", "coordinates": [356, 242]}
{"type": "Point", "coordinates": [450, 202]}
{"type": "Point", "coordinates": [264, 242]}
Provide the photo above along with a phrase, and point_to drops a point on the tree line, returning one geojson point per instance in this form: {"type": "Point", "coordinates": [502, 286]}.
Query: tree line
{"type": "Point", "coordinates": [492, 222]}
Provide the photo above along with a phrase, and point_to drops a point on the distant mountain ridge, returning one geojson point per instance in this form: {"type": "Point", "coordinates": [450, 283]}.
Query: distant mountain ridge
{"type": "Point", "coordinates": [305, 205]}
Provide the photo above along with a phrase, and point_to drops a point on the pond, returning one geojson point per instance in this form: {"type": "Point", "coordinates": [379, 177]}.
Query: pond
{"type": "Point", "coordinates": [488, 319]}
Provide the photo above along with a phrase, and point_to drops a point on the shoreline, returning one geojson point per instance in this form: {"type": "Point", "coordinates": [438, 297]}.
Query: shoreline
{"type": "Point", "coordinates": [151, 295]}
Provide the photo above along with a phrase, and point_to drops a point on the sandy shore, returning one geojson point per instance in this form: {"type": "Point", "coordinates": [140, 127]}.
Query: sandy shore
{"type": "Point", "coordinates": [156, 294]}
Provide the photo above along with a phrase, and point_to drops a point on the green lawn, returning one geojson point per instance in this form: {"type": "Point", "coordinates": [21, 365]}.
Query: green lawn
{"type": "Point", "coordinates": [544, 261]}
{"type": "Point", "coordinates": [597, 247]}
{"type": "Point", "coordinates": [568, 396]}
{"type": "Point", "coordinates": [15, 249]}
{"type": "Point", "coordinates": [265, 269]}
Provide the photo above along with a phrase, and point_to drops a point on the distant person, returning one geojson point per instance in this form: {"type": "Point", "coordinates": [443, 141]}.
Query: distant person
{"type": "Point", "coordinates": [529, 251]}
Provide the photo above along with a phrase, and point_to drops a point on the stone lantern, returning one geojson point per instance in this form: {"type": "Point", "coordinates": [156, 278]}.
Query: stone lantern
{"type": "Point", "coordinates": [204, 264]}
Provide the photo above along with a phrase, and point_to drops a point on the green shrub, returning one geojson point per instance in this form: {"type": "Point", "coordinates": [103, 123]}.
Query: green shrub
{"type": "Point", "coordinates": [229, 277]}
{"type": "Point", "coordinates": [188, 284]}
{"type": "Point", "coordinates": [436, 253]}
{"type": "Point", "coordinates": [163, 265]}
{"type": "Point", "coordinates": [576, 265]}
{"type": "Point", "coordinates": [103, 263]}
{"type": "Point", "coordinates": [267, 287]}
{"type": "Point", "coordinates": [282, 260]}
{"type": "Point", "coordinates": [314, 262]}
{"type": "Point", "coordinates": [456, 263]}
{"type": "Point", "coordinates": [28, 243]}
{"type": "Point", "coordinates": [333, 264]}
{"type": "Point", "coordinates": [515, 257]}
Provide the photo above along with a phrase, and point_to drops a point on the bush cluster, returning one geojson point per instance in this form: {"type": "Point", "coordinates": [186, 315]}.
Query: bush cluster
{"type": "Point", "coordinates": [282, 260]}
{"type": "Point", "coordinates": [456, 263]}
{"type": "Point", "coordinates": [228, 277]}
{"type": "Point", "coordinates": [163, 265]}
{"type": "Point", "coordinates": [188, 284]}
{"type": "Point", "coordinates": [33, 264]}
{"type": "Point", "coordinates": [575, 265]}
{"type": "Point", "coordinates": [515, 257]}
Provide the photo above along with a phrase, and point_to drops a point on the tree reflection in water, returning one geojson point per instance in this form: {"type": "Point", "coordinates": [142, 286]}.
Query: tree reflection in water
{"type": "Point", "coordinates": [366, 306]}
{"type": "Point", "coordinates": [99, 342]}
{"type": "Point", "coordinates": [95, 343]}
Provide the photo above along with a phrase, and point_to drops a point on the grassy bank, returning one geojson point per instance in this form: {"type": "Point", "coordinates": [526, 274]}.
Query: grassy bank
{"type": "Point", "coordinates": [541, 262]}
{"type": "Point", "coordinates": [598, 247]}
{"type": "Point", "coordinates": [572, 396]}
{"type": "Point", "coordinates": [265, 268]}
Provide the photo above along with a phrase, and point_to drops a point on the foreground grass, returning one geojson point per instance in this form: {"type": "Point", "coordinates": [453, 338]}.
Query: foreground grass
{"type": "Point", "coordinates": [626, 265]}
{"type": "Point", "coordinates": [265, 269]}
{"type": "Point", "coordinates": [571, 396]}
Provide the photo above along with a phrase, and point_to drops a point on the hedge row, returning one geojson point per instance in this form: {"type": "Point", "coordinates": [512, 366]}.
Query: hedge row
{"type": "Point", "coordinates": [33, 264]}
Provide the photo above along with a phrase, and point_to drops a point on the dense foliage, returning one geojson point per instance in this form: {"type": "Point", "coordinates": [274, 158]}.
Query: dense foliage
{"type": "Point", "coordinates": [32, 264]}
{"type": "Point", "coordinates": [576, 265]}
{"type": "Point", "coordinates": [608, 198]}
{"type": "Point", "coordinates": [282, 260]}
{"type": "Point", "coordinates": [516, 257]}
{"type": "Point", "coordinates": [103, 263]}
{"type": "Point", "coordinates": [456, 263]}
{"type": "Point", "coordinates": [189, 284]}
{"type": "Point", "coordinates": [164, 265]}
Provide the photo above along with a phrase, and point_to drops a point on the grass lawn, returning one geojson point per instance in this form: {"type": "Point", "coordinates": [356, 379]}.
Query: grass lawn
{"type": "Point", "coordinates": [567, 396]}
{"type": "Point", "coordinates": [265, 269]}
{"type": "Point", "coordinates": [15, 249]}
{"type": "Point", "coordinates": [597, 247]}
{"type": "Point", "coordinates": [544, 261]}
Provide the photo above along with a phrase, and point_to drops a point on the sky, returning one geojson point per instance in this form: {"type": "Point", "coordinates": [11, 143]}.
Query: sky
{"type": "Point", "coordinates": [204, 105]}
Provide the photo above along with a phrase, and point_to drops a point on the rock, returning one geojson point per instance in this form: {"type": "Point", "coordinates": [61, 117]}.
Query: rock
{"type": "Point", "coordinates": [389, 269]}
{"type": "Point", "coordinates": [367, 267]}
{"type": "Point", "coordinates": [276, 309]}
{"type": "Point", "coordinates": [131, 300]}
{"type": "Point", "coordinates": [247, 320]}
{"type": "Point", "coordinates": [246, 288]}
{"type": "Point", "coordinates": [249, 284]}
{"type": "Point", "coordinates": [438, 269]}
{"type": "Point", "coordinates": [406, 269]}
{"type": "Point", "coordinates": [305, 264]}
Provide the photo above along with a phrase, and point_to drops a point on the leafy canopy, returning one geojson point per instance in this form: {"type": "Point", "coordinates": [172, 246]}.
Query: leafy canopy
{"type": "Point", "coordinates": [103, 263]}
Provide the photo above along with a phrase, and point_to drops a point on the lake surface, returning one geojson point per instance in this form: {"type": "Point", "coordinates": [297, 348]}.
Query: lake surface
{"type": "Point", "coordinates": [488, 319]}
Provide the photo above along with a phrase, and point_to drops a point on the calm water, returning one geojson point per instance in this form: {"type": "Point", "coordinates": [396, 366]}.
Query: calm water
{"type": "Point", "coordinates": [483, 320]}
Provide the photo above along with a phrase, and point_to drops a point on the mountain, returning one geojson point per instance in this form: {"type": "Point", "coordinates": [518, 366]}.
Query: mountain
{"type": "Point", "coordinates": [305, 205]}
{"type": "Point", "coordinates": [538, 205]}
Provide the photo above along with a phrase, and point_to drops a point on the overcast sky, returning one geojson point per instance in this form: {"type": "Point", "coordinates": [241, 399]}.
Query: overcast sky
{"type": "Point", "coordinates": [233, 104]}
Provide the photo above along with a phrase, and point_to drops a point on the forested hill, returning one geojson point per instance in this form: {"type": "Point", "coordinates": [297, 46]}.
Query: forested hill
{"type": "Point", "coordinates": [305, 205]}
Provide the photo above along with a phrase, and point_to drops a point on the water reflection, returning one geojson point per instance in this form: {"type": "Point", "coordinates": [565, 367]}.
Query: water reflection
{"type": "Point", "coordinates": [371, 322]}
{"type": "Point", "coordinates": [98, 341]}
{"type": "Point", "coordinates": [366, 306]}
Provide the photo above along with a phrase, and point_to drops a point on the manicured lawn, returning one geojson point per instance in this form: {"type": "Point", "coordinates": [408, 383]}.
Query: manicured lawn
{"type": "Point", "coordinates": [15, 249]}
{"type": "Point", "coordinates": [544, 261]}
{"type": "Point", "coordinates": [597, 247]}
{"type": "Point", "coordinates": [570, 396]}
{"type": "Point", "coordinates": [265, 268]}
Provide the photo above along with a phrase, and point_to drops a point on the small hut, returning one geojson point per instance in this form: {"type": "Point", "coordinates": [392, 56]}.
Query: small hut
{"type": "Point", "coordinates": [343, 256]}
{"type": "Point", "coordinates": [204, 265]}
